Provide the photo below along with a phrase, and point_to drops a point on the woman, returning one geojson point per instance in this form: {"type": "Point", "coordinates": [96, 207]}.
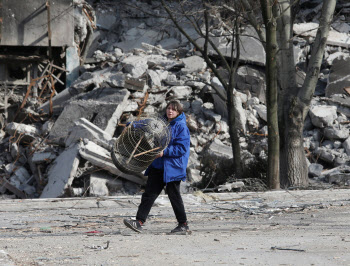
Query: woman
{"type": "Point", "coordinates": [168, 169]}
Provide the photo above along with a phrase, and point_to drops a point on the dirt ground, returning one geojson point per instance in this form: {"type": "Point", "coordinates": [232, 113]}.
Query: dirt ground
{"type": "Point", "coordinates": [271, 228]}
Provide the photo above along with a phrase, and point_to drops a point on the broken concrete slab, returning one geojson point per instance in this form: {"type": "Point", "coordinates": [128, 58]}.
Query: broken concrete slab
{"type": "Point", "coordinates": [62, 172]}
{"type": "Point", "coordinates": [339, 179]}
{"type": "Point", "coordinates": [155, 49]}
{"type": "Point", "coordinates": [135, 84]}
{"type": "Point", "coordinates": [87, 81]}
{"type": "Point", "coordinates": [334, 38]}
{"type": "Point", "coordinates": [251, 79]}
{"type": "Point", "coordinates": [339, 77]}
{"type": "Point", "coordinates": [41, 157]}
{"type": "Point", "coordinates": [116, 80]}
{"type": "Point", "coordinates": [252, 51]}
{"type": "Point", "coordinates": [27, 132]}
{"type": "Point", "coordinates": [104, 111]}
{"type": "Point", "coordinates": [101, 157]}
{"type": "Point", "coordinates": [84, 129]}
{"type": "Point", "coordinates": [169, 43]}
{"type": "Point", "coordinates": [219, 150]}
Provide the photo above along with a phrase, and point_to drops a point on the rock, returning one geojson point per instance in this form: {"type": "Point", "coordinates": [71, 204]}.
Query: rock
{"type": "Point", "coordinates": [324, 154]}
{"type": "Point", "coordinates": [193, 64]}
{"type": "Point", "coordinates": [135, 65]}
{"type": "Point", "coordinates": [341, 27]}
{"type": "Point", "coordinates": [218, 150]}
{"type": "Point", "coordinates": [161, 61]}
{"type": "Point", "coordinates": [194, 175]}
{"type": "Point", "coordinates": [262, 111]}
{"type": "Point", "coordinates": [323, 116]}
{"type": "Point", "coordinates": [315, 169]}
{"type": "Point", "coordinates": [181, 92]}
{"type": "Point", "coordinates": [337, 56]}
{"type": "Point", "coordinates": [230, 186]}
{"type": "Point", "coordinates": [154, 79]}
{"type": "Point", "coordinates": [173, 81]}
{"type": "Point", "coordinates": [341, 133]}
{"type": "Point", "coordinates": [99, 184]}
{"type": "Point", "coordinates": [339, 179]}
{"type": "Point", "coordinates": [220, 94]}
{"type": "Point", "coordinates": [253, 80]}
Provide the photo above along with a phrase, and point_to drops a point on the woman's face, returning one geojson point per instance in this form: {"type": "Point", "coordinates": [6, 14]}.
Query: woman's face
{"type": "Point", "coordinates": [171, 113]}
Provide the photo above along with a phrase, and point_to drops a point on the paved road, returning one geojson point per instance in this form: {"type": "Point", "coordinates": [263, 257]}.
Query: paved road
{"type": "Point", "coordinates": [271, 228]}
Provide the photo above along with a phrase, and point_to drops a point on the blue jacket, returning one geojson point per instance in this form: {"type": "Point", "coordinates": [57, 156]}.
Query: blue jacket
{"type": "Point", "coordinates": [175, 156]}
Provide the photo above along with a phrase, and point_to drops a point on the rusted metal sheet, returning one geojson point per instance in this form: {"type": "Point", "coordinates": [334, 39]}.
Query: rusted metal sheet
{"type": "Point", "coordinates": [25, 23]}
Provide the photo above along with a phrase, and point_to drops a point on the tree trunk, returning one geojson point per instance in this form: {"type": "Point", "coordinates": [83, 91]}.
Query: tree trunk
{"type": "Point", "coordinates": [294, 171]}
{"type": "Point", "coordinates": [271, 95]}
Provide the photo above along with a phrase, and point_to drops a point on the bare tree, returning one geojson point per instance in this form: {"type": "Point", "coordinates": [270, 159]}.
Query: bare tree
{"type": "Point", "coordinates": [293, 100]}
{"type": "Point", "coordinates": [271, 47]}
{"type": "Point", "coordinates": [199, 18]}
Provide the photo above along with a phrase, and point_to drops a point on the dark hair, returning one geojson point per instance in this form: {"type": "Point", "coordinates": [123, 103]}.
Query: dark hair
{"type": "Point", "coordinates": [176, 106]}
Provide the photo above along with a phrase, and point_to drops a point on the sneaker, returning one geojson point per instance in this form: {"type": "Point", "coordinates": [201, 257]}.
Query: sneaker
{"type": "Point", "coordinates": [134, 225]}
{"type": "Point", "coordinates": [181, 229]}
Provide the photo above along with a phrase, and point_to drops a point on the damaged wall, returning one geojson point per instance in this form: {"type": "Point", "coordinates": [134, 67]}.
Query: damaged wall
{"type": "Point", "coordinates": [24, 23]}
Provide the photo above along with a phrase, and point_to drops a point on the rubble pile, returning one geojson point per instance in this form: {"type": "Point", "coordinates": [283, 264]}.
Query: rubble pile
{"type": "Point", "coordinates": [133, 66]}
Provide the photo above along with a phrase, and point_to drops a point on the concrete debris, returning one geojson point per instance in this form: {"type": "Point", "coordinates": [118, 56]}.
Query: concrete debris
{"type": "Point", "coordinates": [335, 38]}
{"type": "Point", "coordinates": [323, 116]}
{"type": "Point", "coordinates": [62, 172]}
{"type": "Point", "coordinates": [83, 129]}
{"type": "Point", "coordinates": [22, 132]}
{"type": "Point", "coordinates": [230, 186]}
{"type": "Point", "coordinates": [339, 76]}
{"type": "Point", "coordinates": [125, 65]}
{"type": "Point", "coordinates": [100, 157]}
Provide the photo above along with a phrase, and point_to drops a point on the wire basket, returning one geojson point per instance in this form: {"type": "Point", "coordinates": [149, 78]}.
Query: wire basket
{"type": "Point", "coordinates": [140, 142]}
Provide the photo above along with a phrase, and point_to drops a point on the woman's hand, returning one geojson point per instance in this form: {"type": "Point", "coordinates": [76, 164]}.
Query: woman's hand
{"type": "Point", "coordinates": [160, 154]}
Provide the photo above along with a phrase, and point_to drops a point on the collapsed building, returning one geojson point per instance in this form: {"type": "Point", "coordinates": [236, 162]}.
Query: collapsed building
{"type": "Point", "coordinates": [73, 74]}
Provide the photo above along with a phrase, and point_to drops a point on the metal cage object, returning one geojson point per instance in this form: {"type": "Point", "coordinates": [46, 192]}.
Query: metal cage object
{"type": "Point", "coordinates": [139, 144]}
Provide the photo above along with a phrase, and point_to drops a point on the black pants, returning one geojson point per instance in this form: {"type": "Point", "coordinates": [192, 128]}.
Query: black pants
{"type": "Point", "coordinates": [154, 187]}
